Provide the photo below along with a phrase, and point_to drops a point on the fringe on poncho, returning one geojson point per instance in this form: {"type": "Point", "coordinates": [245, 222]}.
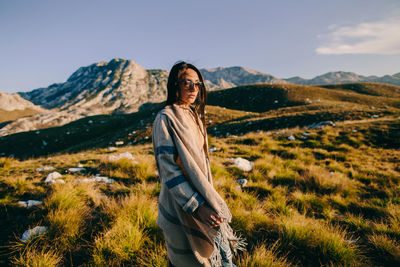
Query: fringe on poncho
{"type": "Point", "coordinates": [180, 149]}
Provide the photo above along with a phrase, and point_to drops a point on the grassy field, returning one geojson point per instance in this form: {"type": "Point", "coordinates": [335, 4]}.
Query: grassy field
{"type": "Point", "coordinates": [330, 196]}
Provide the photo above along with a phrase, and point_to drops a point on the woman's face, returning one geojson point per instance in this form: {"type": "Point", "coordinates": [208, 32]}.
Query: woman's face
{"type": "Point", "coordinates": [189, 86]}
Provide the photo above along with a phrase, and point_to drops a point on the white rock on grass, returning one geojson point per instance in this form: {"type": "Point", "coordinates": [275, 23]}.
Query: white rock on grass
{"type": "Point", "coordinates": [242, 182]}
{"type": "Point", "coordinates": [78, 169]}
{"type": "Point", "coordinates": [320, 125]}
{"type": "Point", "coordinates": [213, 149]}
{"type": "Point", "coordinates": [30, 203]}
{"type": "Point", "coordinates": [243, 164]}
{"type": "Point", "coordinates": [103, 179]}
{"type": "Point", "coordinates": [111, 148]}
{"type": "Point", "coordinates": [57, 181]}
{"type": "Point", "coordinates": [125, 155]}
{"type": "Point", "coordinates": [30, 233]}
{"type": "Point", "coordinates": [52, 176]}
{"type": "Point", "coordinates": [46, 168]}
{"type": "Point", "coordinates": [119, 143]}
{"type": "Point", "coordinates": [99, 179]}
{"type": "Point", "coordinates": [291, 138]}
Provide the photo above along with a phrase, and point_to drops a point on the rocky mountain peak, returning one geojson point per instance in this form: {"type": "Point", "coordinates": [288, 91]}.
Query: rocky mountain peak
{"type": "Point", "coordinates": [115, 86]}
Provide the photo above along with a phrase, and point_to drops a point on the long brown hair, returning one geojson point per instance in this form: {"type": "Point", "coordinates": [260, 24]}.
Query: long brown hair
{"type": "Point", "coordinates": [173, 87]}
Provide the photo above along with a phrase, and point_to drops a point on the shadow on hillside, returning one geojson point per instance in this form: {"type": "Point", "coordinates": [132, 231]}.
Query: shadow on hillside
{"type": "Point", "coordinates": [237, 126]}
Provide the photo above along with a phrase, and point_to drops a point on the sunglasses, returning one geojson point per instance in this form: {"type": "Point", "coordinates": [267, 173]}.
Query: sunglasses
{"type": "Point", "coordinates": [189, 84]}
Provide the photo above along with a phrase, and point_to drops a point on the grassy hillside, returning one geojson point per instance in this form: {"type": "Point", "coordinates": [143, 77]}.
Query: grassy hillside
{"type": "Point", "coordinates": [331, 197]}
{"type": "Point", "coordinates": [264, 97]}
{"type": "Point", "coordinates": [374, 89]}
{"type": "Point", "coordinates": [325, 196]}
{"type": "Point", "coordinates": [240, 110]}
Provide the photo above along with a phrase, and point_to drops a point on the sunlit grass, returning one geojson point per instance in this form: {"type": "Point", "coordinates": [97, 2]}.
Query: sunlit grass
{"type": "Point", "coordinates": [37, 257]}
{"type": "Point", "coordinates": [330, 199]}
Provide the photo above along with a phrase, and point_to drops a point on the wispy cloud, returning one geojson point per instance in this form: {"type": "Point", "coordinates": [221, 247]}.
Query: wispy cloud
{"type": "Point", "coordinates": [379, 37]}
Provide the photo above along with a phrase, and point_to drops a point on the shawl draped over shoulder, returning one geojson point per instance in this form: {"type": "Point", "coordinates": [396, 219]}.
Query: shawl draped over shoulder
{"type": "Point", "coordinates": [186, 183]}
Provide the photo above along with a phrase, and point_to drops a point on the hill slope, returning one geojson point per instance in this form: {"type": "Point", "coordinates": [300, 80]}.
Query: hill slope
{"type": "Point", "coordinates": [264, 97]}
{"type": "Point", "coordinates": [261, 107]}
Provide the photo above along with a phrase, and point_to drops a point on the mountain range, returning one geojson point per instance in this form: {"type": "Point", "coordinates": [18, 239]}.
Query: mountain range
{"type": "Point", "coordinates": [123, 86]}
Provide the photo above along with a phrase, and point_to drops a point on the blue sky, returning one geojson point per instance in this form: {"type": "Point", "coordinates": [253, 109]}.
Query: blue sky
{"type": "Point", "coordinates": [44, 42]}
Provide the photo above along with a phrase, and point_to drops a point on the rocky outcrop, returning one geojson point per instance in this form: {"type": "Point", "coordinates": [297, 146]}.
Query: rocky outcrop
{"type": "Point", "coordinates": [117, 86]}
{"type": "Point", "coordinates": [222, 78]}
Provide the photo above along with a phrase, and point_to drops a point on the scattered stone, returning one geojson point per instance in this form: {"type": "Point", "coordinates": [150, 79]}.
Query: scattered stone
{"type": "Point", "coordinates": [308, 101]}
{"type": "Point", "coordinates": [90, 121]}
{"type": "Point", "coordinates": [111, 148]}
{"type": "Point", "coordinates": [242, 182]}
{"type": "Point", "coordinates": [213, 149]}
{"type": "Point", "coordinates": [125, 155]}
{"type": "Point", "coordinates": [320, 124]}
{"type": "Point", "coordinates": [291, 138]}
{"type": "Point", "coordinates": [44, 169]}
{"type": "Point", "coordinates": [30, 203]}
{"type": "Point", "coordinates": [80, 166]}
{"type": "Point", "coordinates": [30, 233]}
{"type": "Point", "coordinates": [44, 143]}
{"type": "Point", "coordinates": [37, 132]}
{"type": "Point", "coordinates": [276, 102]}
{"type": "Point", "coordinates": [375, 116]}
{"type": "Point", "coordinates": [119, 143]}
{"type": "Point", "coordinates": [99, 179]}
{"type": "Point", "coordinates": [354, 131]}
{"type": "Point", "coordinates": [243, 164]}
{"type": "Point", "coordinates": [306, 134]}
{"type": "Point", "coordinates": [52, 176]}
{"type": "Point", "coordinates": [76, 169]}
{"type": "Point", "coordinates": [57, 181]}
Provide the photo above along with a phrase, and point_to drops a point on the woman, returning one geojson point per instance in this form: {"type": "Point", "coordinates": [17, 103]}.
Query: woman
{"type": "Point", "coordinates": [193, 216]}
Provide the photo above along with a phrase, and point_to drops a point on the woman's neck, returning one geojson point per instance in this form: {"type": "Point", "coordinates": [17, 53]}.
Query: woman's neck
{"type": "Point", "coordinates": [184, 104]}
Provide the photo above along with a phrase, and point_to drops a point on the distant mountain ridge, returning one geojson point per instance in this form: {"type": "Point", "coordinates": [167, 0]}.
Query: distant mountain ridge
{"type": "Point", "coordinates": [339, 77]}
{"type": "Point", "coordinates": [123, 86]}
{"type": "Point", "coordinates": [222, 78]}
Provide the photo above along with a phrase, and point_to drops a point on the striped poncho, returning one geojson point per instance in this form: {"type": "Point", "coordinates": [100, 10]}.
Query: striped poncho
{"type": "Point", "coordinates": [180, 145]}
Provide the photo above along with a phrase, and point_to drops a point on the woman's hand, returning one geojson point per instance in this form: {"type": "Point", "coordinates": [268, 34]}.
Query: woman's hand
{"type": "Point", "coordinates": [208, 216]}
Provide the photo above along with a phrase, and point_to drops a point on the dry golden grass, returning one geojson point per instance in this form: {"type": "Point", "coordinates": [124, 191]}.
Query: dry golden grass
{"type": "Point", "coordinates": [330, 199]}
